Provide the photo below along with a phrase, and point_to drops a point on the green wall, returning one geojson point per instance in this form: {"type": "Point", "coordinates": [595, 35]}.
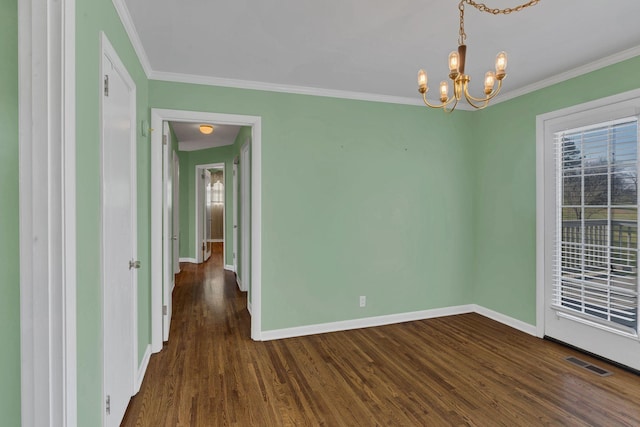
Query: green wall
{"type": "Point", "coordinates": [358, 198]}
{"type": "Point", "coordinates": [188, 161]}
{"type": "Point", "coordinates": [9, 223]}
{"type": "Point", "coordinates": [504, 147]}
{"type": "Point", "coordinates": [93, 16]}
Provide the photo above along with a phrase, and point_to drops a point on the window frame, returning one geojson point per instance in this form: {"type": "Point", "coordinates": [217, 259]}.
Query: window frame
{"type": "Point", "coordinates": [625, 104]}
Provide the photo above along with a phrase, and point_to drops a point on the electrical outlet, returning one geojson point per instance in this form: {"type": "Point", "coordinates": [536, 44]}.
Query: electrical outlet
{"type": "Point", "coordinates": [363, 300]}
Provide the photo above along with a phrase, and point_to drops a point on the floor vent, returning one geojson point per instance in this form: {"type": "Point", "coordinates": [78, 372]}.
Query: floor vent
{"type": "Point", "coordinates": [586, 365]}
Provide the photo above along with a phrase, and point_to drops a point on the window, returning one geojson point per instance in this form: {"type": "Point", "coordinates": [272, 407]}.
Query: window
{"type": "Point", "coordinates": [596, 248]}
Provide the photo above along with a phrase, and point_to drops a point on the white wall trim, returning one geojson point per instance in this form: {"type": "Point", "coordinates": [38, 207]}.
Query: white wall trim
{"type": "Point", "coordinates": [191, 260]}
{"type": "Point", "coordinates": [230, 267]}
{"type": "Point", "coordinates": [570, 74]}
{"type": "Point", "coordinates": [389, 319]}
{"type": "Point", "coordinates": [157, 117]}
{"type": "Point", "coordinates": [142, 369]}
{"type": "Point", "coordinates": [506, 320]}
{"type": "Point", "coordinates": [127, 22]}
{"type": "Point", "coordinates": [47, 141]}
{"type": "Point", "coordinates": [284, 88]}
{"type": "Point", "coordinates": [366, 322]}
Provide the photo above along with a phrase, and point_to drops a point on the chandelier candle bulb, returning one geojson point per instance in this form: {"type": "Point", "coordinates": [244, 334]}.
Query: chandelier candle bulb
{"type": "Point", "coordinates": [489, 81]}
{"type": "Point", "coordinates": [422, 81]}
{"type": "Point", "coordinates": [501, 64]}
{"type": "Point", "coordinates": [454, 63]}
{"type": "Point", "coordinates": [444, 91]}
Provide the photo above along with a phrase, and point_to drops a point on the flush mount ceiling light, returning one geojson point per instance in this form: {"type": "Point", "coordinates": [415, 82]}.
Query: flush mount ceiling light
{"type": "Point", "coordinates": [457, 62]}
{"type": "Point", "coordinates": [206, 129]}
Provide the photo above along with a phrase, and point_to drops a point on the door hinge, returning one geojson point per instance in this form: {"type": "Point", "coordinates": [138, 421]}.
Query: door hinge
{"type": "Point", "coordinates": [165, 310]}
{"type": "Point", "coordinates": [204, 246]}
{"type": "Point", "coordinates": [164, 139]}
{"type": "Point", "coordinates": [108, 405]}
{"type": "Point", "coordinates": [106, 85]}
{"type": "Point", "coordinates": [234, 255]}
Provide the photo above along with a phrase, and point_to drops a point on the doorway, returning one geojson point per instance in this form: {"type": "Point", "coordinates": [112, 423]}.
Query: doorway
{"type": "Point", "coordinates": [588, 219]}
{"type": "Point", "coordinates": [158, 116]}
{"type": "Point", "coordinates": [210, 208]}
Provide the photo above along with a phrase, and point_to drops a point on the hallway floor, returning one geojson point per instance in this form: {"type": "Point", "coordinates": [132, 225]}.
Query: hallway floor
{"type": "Point", "coordinates": [457, 370]}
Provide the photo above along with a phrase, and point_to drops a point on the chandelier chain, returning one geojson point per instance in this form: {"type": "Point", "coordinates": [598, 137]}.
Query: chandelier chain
{"type": "Point", "coordinates": [484, 8]}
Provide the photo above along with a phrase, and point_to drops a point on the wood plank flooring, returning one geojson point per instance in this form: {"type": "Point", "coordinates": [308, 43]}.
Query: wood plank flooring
{"type": "Point", "coordinates": [452, 371]}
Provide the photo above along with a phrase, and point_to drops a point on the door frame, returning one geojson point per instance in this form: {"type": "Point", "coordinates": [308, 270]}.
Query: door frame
{"type": "Point", "coordinates": [107, 49]}
{"type": "Point", "coordinates": [48, 229]}
{"type": "Point", "coordinates": [235, 219]}
{"type": "Point", "coordinates": [255, 122]}
{"type": "Point", "coordinates": [167, 226]}
{"type": "Point", "coordinates": [244, 276]}
{"type": "Point", "coordinates": [199, 209]}
{"type": "Point", "coordinates": [543, 237]}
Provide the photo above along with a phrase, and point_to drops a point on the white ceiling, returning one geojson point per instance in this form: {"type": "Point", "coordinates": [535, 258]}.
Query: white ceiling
{"type": "Point", "coordinates": [372, 46]}
{"type": "Point", "coordinates": [190, 138]}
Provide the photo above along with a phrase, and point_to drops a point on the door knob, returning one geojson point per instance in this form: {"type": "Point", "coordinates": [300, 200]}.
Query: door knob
{"type": "Point", "coordinates": [134, 264]}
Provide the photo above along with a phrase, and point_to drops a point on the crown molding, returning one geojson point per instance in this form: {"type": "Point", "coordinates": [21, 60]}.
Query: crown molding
{"type": "Point", "coordinates": [127, 22]}
{"type": "Point", "coordinates": [283, 88]}
{"type": "Point", "coordinates": [567, 75]}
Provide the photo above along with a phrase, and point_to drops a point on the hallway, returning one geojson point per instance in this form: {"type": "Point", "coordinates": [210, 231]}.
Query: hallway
{"type": "Point", "coordinates": [189, 381]}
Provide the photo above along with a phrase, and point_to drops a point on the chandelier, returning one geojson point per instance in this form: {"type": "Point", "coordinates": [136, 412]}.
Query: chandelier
{"type": "Point", "coordinates": [456, 67]}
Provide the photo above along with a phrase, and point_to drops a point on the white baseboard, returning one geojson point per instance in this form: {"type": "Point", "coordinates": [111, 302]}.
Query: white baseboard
{"type": "Point", "coordinates": [215, 240]}
{"type": "Point", "coordinates": [191, 260]}
{"type": "Point", "coordinates": [142, 369]}
{"type": "Point", "coordinates": [249, 308]}
{"type": "Point", "coordinates": [506, 320]}
{"type": "Point", "coordinates": [240, 284]}
{"type": "Point", "coordinates": [230, 268]}
{"type": "Point", "coordinates": [366, 322]}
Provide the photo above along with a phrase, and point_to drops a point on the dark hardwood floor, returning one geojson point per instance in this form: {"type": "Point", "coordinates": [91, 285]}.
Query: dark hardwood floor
{"type": "Point", "coordinates": [457, 370]}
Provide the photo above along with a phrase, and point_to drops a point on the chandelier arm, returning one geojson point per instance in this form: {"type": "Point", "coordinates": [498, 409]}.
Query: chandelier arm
{"type": "Point", "coordinates": [453, 107]}
{"type": "Point", "coordinates": [443, 105]}
{"type": "Point", "coordinates": [478, 106]}
{"type": "Point", "coordinates": [486, 98]}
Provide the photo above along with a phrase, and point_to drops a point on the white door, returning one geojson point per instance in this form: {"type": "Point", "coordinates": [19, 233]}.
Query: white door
{"type": "Point", "coordinates": [235, 218]}
{"type": "Point", "coordinates": [176, 214]}
{"type": "Point", "coordinates": [591, 226]}
{"type": "Point", "coordinates": [168, 277]}
{"type": "Point", "coordinates": [119, 265]}
{"type": "Point", "coordinates": [245, 209]}
{"type": "Point", "coordinates": [206, 215]}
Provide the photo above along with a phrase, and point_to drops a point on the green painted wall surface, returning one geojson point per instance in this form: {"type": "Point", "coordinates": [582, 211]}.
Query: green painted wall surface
{"type": "Point", "coordinates": [504, 146]}
{"type": "Point", "coordinates": [9, 222]}
{"type": "Point", "coordinates": [92, 17]}
{"type": "Point", "coordinates": [358, 198]}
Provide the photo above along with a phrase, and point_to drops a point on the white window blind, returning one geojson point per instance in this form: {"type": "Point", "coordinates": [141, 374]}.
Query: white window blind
{"type": "Point", "coordinates": [596, 243]}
